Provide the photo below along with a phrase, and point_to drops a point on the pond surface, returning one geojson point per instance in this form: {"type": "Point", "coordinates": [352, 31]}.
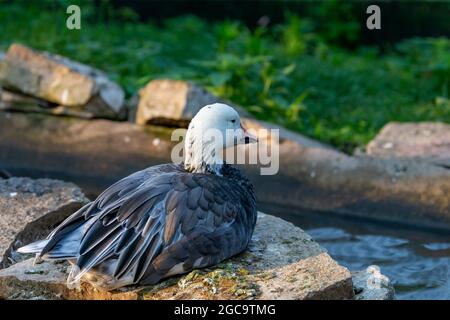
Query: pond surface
{"type": "Point", "coordinates": [416, 261]}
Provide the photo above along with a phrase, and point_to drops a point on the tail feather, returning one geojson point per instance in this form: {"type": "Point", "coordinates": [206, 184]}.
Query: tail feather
{"type": "Point", "coordinates": [34, 247]}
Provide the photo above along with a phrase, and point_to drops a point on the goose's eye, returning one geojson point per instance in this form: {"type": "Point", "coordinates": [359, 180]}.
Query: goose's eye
{"type": "Point", "coordinates": [233, 121]}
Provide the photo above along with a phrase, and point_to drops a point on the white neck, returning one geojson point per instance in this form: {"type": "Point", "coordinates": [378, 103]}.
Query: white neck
{"type": "Point", "coordinates": [200, 156]}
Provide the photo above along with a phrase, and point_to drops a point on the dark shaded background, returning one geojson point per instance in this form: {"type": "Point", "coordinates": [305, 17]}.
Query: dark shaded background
{"type": "Point", "coordinates": [400, 19]}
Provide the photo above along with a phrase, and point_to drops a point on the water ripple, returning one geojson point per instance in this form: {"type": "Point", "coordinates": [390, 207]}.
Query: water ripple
{"type": "Point", "coordinates": [414, 275]}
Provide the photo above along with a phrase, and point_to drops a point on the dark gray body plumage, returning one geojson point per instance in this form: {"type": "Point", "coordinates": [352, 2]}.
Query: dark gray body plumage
{"type": "Point", "coordinates": [156, 223]}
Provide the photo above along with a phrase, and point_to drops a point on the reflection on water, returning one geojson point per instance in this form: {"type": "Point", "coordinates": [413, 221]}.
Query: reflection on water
{"type": "Point", "coordinates": [417, 262]}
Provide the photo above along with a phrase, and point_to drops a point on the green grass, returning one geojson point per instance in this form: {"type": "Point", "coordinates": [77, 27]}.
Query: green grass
{"type": "Point", "coordinates": [287, 73]}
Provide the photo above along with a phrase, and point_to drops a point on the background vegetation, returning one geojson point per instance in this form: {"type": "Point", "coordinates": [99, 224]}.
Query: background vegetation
{"type": "Point", "coordinates": [313, 78]}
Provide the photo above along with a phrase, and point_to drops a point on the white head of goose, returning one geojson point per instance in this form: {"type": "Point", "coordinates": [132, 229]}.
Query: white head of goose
{"type": "Point", "coordinates": [164, 220]}
{"type": "Point", "coordinates": [214, 127]}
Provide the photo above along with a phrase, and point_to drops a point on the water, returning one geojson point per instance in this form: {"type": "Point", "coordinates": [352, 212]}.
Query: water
{"type": "Point", "coordinates": [416, 261]}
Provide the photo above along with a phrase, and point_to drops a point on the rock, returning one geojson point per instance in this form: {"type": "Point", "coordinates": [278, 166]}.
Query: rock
{"type": "Point", "coordinates": [370, 284]}
{"type": "Point", "coordinates": [61, 81]}
{"type": "Point", "coordinates": [173, 102]}
{"type": "Point", "coordinates": [29, 208]}
{"type": "Point", "coordinates": [428, 141]}
{"type": "Point", "coordinates": [282, 262]}
{"type": "Point", "coordinates": [96, 153]}
{"type": "Point", "coordinates": [39, 75]}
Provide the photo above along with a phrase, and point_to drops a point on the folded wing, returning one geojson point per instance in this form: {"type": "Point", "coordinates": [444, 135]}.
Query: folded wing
{"type": "Point", "coordinates": [152, 224]}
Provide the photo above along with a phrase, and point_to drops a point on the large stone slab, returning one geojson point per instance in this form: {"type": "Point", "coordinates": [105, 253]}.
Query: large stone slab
{"type": "Point", "coordinates": [428, 141]}
{"type": "Point", "coordinates": [96, 153]}
{"type": "Point", "coordinates": [282, 262]}
{"type": "Point", "coordinates": [61, 81]}
{"type": "Point", "coordinates": [29, 208]}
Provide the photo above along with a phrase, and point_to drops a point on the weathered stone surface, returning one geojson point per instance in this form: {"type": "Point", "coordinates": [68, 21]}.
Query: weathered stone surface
{"type": "Point", "coordinates": [36, 74]}
{"type": "Point", "coordinates": [61, 81]}
{"type": "Point", "coordinates": [96, 153]}
{"type": "Point", "coordinates": [29, 208]}
{"type": "Point", "coordinates": [429, 141]}
{"type": "Point", "coordinates": [175, 102]}
{"type": "Point", "coordinates": [370, 284]}
{"type": "Point", "coordinates": [282, 262]}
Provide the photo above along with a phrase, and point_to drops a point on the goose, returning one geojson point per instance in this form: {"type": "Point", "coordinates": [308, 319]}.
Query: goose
{"type": "Point", "coordinates": [165, 220]}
